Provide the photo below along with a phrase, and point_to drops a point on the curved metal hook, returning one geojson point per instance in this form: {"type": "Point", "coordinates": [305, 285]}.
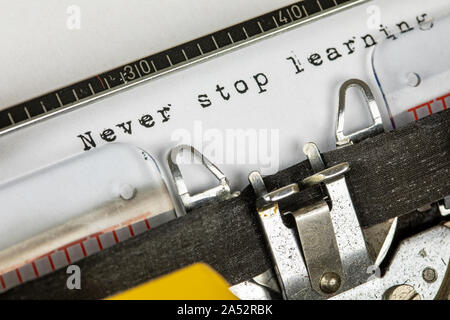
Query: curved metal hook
{"type": "Point", "coordinates": [375, 128]}
{"type": "Point", "coordinates": [221, 192]}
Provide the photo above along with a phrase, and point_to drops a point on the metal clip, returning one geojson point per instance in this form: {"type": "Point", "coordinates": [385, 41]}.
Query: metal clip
{"type": "Point", "coordinates": [289, 264]}
{"type": "Point", "coordinates": [218, 193]}
{"type": "Point", "coordinates": [319, 267]}
{"type": "Point", "coordinates": [332, 252]}
{"type": "Point", "coordinates": [377, 124]}
{"type": "Point", "coordinates": [318, 241]}
{"type": "Point", "coordinates": [374, 129]}
{"type": "Point", "coordinates": [347, 230]}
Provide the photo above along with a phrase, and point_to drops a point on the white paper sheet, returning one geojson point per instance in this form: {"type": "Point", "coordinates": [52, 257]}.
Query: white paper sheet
{"type": "Point", "coordinates": [292, 110]}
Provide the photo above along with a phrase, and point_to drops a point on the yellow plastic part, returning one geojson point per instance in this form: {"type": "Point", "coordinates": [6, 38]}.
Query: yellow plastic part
{"type": "Point", "coordinates": [196, 282]}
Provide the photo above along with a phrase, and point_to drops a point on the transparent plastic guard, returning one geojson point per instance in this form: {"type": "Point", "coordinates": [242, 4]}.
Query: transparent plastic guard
{"type": "Point", "coordinates": [413, 71]}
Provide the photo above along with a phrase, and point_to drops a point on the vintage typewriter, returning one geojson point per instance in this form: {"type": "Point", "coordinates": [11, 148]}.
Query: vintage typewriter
{"type": "Point", "coordinates": [201, 162]}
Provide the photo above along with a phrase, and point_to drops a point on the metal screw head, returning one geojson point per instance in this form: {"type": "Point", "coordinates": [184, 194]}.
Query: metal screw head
{"type": "Point", "coordinates": [429, 275]}
{"type": "Point", "coordinates": [413, 79]}
{"type": "Point", "coordinates": [127, 192]}
{"type": "Point", "coordinates": [330, 282]}
{"type": "Point", "coordinates": [401, 292]}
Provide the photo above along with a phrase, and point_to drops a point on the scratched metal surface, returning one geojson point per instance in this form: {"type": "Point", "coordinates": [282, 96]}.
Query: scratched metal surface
{"type": "Point", "coordinates": [391, 174]}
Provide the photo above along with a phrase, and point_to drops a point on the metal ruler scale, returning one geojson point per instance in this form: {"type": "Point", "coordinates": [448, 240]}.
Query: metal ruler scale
{"type": "Point", "coordinates": [150, 67]}
{"type": "Point", "coordinates": [77, 250]}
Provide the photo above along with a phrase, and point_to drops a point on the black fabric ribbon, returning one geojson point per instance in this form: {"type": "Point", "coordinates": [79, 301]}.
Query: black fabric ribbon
{"type": "Point", "coordinates": [391, 174]}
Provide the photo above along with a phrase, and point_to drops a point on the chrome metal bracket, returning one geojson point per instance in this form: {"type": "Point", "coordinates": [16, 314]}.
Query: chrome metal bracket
{"type": "Point", "coordinates": [218, 193]}
{"type": "Point", "coordinates": [347, 230]}
{"type": "Point", "coordinates": [289, 264]}
{"type": "Point", "coordinates": [377, 123]}
{"type": "Point", "coordinates": [418, 271]}
{"type": "Point", "coordinates": [333, 251]}
{"type": "Point", "coordinates": [329, 253]}
{"type": "Point", "coordinates": [334, 256]}
{"type": "Point", "coordinates": [319, 246]}
{"type": "Point", "coordinates": [375, 128]}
